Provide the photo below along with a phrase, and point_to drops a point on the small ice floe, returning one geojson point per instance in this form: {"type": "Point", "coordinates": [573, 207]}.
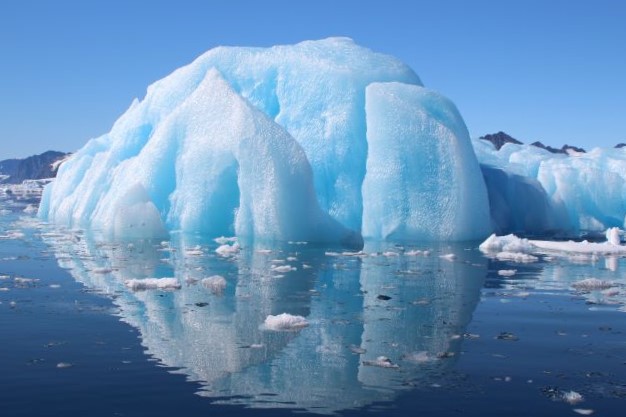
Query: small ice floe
{"type": "Point", "coordinates": [227, 250]}
{"type": "Point", "coordinates": [382, 362]}
{"type": "Point", "coordinates": [153, 283]}
{"type": "Point", "coordinates": [306, 266]}
{"type": "Point", "coordinates": [12, 304]}
{"type": "Point", "coordinates": [256, 346]}
{"type": "Point", "coordinates": [593, 284]}
{"type": "Point", "coordinates": [215, 283]}
{"type": "Point", "coordinates": [507, 272]}
{"type": "Point", "coordinates": [419, 357]}
{"type": "Point", "coordinates": [583, 411]}
{"type": "Point", "coordinates": [389, 254]}
{"type": "Point", "coordinates": [4, 277]}
{"type": "Point", "coordinates": [222, 240]}
{"type": "Point", "coordinates": [55, 286]}
{"type": "Point", "coordinates": [62, 365]}
{"type": "Point", "coordinates": [3, 289]}
{"type": "Point", "coordinates": [330, 253]}
{"type": "Point", "coordinates": [263, 251]}
{"type": "Point", "coordinates": [448, 257]}
{"type": "Point", "coordinates": [283, 268]}
{"type": "Point", "coordinates": [24, 281]}
{"type": "Point", "coordinates": [285, 321]}
{"type": "Point", "coordinates": [572, 397]}
{"type": "Point", "coordinates": [291, 259]}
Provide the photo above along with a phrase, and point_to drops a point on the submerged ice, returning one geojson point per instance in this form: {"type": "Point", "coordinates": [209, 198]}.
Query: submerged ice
{"type": "Point", "coordinates": [319, 141]}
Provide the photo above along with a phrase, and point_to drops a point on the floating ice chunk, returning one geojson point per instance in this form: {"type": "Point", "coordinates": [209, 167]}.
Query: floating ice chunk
{"type": "Point", "coordinates": [222, 240]}
{"type": "Point", "coordinates": [102, 270]}
{"type": "Point", "coordinates": [153, 283]}
{"type": "Point", "coordinates": [215, 283]}
{"type": "Point", "coordinates": [285, 321]}
{"type": "Point", "coordinates": [25, 281]}
{"type": "Point", "coordinates": [381, 361]}
{"type": "Point", "coordinates": [283, 268]}
{"type": "Point", "coordinates": [593, 284]}
{"type": "Point", "coordinates": [62, 365]}
{"type": "Point", "coordinates": [583, 411]}
{"type": "Point", "coordinates": [448, 257]}
{"type": "Point", "coordinates": [508, 243]}
{"type": "Point", "coordinates": [579, 247]}
{"type": "Point", "coordinates": [613, 236]}
{"type": "Point", "coordinates": [507, 272]}
{"type": "Point", "coordinates": [572, 397]}
{"type": "Point", "coordinates": [227, 250]}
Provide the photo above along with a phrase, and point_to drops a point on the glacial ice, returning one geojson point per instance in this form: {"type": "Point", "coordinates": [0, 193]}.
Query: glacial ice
{"type": "Point", "coordinates": [320, 141]}
{"type": "Point", "coordinates": [534, 191]}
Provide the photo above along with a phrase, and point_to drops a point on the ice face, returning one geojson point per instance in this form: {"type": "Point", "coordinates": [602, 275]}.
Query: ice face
{"type": "Point", "coordinates": [271, 143]}
{"type": "Point", "coordinates": [422, 181]}
{"type": "Point", "coordinates": [572, 193]}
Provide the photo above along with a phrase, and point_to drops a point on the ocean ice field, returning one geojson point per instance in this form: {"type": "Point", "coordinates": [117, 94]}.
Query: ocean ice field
{"type": "Point", "coordinates": [192, 326]}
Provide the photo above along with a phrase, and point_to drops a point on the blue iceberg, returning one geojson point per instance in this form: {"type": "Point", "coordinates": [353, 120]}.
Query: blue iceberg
{"type": "Point", "coordinates": [320, 141]}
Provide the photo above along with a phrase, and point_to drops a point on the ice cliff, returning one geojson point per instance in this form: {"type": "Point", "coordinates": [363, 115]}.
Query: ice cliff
{"type": "Point", "coordinates": [322, 141]}
{"type": "Point", "coordinates": [532, 190]}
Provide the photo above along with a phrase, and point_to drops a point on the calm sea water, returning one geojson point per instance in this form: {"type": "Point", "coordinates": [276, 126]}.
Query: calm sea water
{"type": "Point", "coordinates": [460, 336]}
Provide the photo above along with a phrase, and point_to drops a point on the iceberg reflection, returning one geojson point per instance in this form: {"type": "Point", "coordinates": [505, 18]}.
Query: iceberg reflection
{"type": "Point", "coordinates": [379, 322]}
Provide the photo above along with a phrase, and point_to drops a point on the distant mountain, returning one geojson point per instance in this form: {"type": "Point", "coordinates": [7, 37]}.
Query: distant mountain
{"type": "Point", "coordinates": [45, 165]}
{"type": "Point", "coordinates": [500, 139]}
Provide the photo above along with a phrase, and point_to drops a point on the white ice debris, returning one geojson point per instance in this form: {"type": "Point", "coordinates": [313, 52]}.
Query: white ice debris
{"type": "Point", "coordinates": [583, 411]}
{"type": "Point", "coordinates": [572, 397]}
{"type": "Point", "coordinates": [508, 243]}
{"type": "Point", "coordinates": [227, 250]}
{"type": "Point", "coordinates": [215, 283]}
{"type": "Point", "coordinates": [285, 321]}
{"type": "Point", "coordinates": [507, 272]}
{"type": "Point", "coordinates": [448, 256]}
{"type": "Point", "coordinates": [153, 283]}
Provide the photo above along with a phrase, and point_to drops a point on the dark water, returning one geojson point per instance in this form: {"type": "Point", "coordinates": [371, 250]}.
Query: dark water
{"type": "Point", "coordinates": [460, 338]}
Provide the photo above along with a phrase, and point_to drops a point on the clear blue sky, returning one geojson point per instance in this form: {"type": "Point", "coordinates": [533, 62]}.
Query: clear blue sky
{"type": "Point", "coordinates": [539, 70]}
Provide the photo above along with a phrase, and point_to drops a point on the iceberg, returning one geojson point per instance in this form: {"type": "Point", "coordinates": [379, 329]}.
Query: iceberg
{"type": "Point", "coordinates": [533, 191]}
{"type": "Point", "coordinates": [306, 142]}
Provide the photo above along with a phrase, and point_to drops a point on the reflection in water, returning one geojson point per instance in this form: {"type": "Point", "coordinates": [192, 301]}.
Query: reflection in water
{"type": "Point", "coordinates": [411, 309]}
